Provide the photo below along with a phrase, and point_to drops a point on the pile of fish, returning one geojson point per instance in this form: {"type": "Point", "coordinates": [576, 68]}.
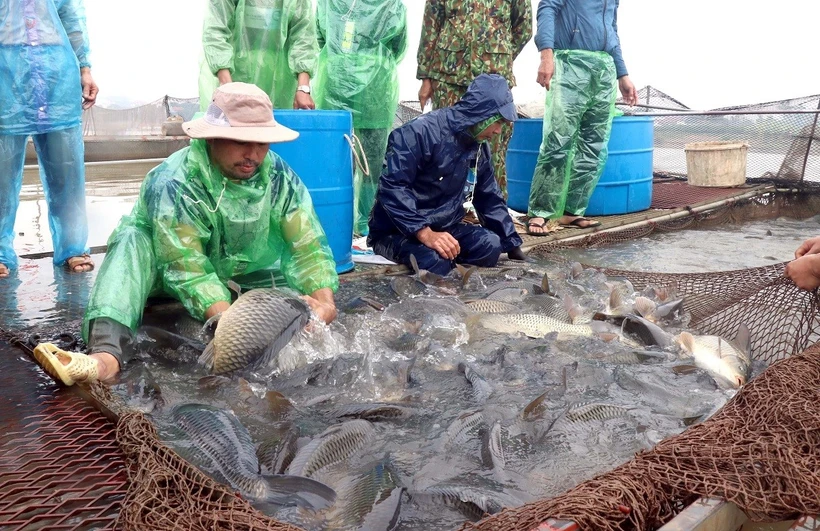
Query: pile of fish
{"type": "Point", "coordinates": [434, 399]}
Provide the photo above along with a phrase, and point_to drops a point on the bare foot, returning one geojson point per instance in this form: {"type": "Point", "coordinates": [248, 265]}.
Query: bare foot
{"type": "Point", "coordinates": [80, 264]}
{"type": "Point", "coordinates": [4, 271]}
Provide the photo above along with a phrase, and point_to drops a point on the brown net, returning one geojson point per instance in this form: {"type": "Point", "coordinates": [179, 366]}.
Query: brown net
{"type": "Point", "coordinates": [760, 451]}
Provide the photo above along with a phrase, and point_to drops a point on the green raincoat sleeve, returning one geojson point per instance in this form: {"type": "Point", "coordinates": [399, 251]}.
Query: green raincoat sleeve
{"type": "Point", "coordinates": [217, 37]}
{"type": "Point", "coordinates": [307, 261]}
{"type": "Point", "coordinates": [302, 39]}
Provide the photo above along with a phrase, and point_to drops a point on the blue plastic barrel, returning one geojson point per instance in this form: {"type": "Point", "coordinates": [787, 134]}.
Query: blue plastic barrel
{"type": "Point", "coordinates": [322, 158]}
{"type": "Point", "coordinates": [624, 187]}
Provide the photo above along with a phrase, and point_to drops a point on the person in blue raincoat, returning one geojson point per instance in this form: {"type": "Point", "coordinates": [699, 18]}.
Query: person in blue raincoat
{"type": "Point", "coordinates": [420, 201]}
{"type": "Point", "coordinates": [45, 83]}
{"type": "Point", "coordinates": [581, 67]}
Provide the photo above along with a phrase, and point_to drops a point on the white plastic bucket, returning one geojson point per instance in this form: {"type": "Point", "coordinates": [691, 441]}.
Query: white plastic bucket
{"type": "Point", "coordinates": [716, 163]}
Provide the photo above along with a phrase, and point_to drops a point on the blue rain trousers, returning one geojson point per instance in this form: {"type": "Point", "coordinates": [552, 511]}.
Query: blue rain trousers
{"type": "Point", "coordinates": [479, 247]}
{"type": "Point", "coordinates": [62, 173]}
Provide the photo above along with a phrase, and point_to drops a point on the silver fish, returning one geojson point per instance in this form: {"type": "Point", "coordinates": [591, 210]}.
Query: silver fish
{"type": "Point", "coordinates": [227, 446]}
{"type": "Point", "coordinates": [728, 362]}
{"type": "Point", "coordinates": [531, 325]}
{"type": "Point", "coordinates": [491, 306]}
{"type": "Point", "coordinates": [473, 503]}
{"type": "Point", "coordinates": [405, 286]}
{"type": "Point", "coordinates": [332, 446]}
{"type": "Point", "coordinates": [254, 329]}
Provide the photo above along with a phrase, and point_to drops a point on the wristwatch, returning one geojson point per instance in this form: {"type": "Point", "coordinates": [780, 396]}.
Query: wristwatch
{"type": "Point", "coordinates": [304, 88]}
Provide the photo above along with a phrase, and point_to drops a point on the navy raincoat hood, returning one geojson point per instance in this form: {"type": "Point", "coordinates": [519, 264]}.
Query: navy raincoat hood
{"type": "Point", "coordinates": [427, 163]}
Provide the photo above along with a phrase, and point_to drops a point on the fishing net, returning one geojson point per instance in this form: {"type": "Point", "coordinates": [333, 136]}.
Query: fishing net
{"type": "Point", "coordinates": [760, 451]}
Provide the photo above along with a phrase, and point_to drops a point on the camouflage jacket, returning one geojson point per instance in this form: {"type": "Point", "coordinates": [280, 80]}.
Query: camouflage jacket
{"type": "Point", "coordinates": [461, 39]}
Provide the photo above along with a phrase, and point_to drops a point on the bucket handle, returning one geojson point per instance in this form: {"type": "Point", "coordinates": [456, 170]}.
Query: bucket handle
{"type": "Point", "coordinates": [353, 140]}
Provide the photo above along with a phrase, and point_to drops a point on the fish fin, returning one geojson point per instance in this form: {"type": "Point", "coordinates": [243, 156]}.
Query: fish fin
{"type": "Point", "coordinates": [644, 306]}
{"type": "Point", "coordinates": [210, 325]}
{"type": "Point", "coordinates": [462, 367]}
{"type": "Point", "coordinates": [684, 368]}
{"type": "Point", "coordinates": [687, 341]}
{"type": "Point", "coordinates": [743, 339]}
{"type": "Point", "coordinates": [688, 421]}
{"type": "Point", "coordinates": [462, 270]}
{"type": "Point", "coordinates": [299, 321]}
{"type": "Point", "coordinates": [303, 492]}
{"type": "Point", "coordinates": [575, 270]}
{"type": "Point", "coordinates": [373, 303]}
{"type": "Point", "coordinates": [206, 359]}
{"type": "Point", "coordinates": [573, 309]}
{"type": "Point", "coordinates": [236, 288]}
{"type": "Point", "coordinates": [272, 280]}
{"type": "Point", "coordinates": [415, 264]}
{"type": "Point", "coordinates": [466, 277]}
{"type": "Point", "coordinates": [545, 285]}
{"type": "Point", "coordinates": [616, 300]}
{"type": "Point", "coordinates": [670, 308]}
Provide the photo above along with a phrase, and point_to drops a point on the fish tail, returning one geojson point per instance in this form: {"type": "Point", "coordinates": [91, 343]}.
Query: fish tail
{"type": "Point", "coordinates": [300, 491]}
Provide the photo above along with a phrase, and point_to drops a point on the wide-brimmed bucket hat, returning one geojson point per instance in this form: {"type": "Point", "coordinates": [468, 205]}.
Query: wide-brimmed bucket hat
{"type": "Point", "coordinates": [241, 112]}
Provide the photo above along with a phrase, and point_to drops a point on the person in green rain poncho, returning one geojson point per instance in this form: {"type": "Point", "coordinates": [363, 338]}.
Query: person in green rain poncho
{"type": "Point", "coordinates": [270, 43]}
{"type": "Point", "coordinates": [224, 208]}
{"type": "Point", "coordinates": [362, 43]}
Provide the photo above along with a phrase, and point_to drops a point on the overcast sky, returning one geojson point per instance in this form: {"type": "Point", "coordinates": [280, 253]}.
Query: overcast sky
{"type": "Point", "coordinates": [705, 53]}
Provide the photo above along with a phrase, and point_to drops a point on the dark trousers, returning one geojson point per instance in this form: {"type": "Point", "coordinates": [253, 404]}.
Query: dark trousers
{"type": "Point", "coordinates": [479, 247]}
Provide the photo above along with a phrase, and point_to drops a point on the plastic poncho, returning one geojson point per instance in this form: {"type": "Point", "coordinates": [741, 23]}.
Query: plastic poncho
{"type": "Point", "coordinates": [43, 45]}
{"type": "Point", "coordinates": [264, 42]}
{"type": "Point", "coordinates": [362, 43]}
{"type": "Point", "coordinates": [578, 113]}
{"type": "Point", "coordinates": [197, 229]}
{"type": "Point", "coordinates": [427, 164]}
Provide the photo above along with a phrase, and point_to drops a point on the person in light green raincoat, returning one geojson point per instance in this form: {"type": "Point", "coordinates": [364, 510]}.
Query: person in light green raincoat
{"type": "Point", "coordinates": [224, 208]}
{"type": "Point", "coordinates": [362, 43]}
{"type": "Point", "coordinates": [270, 43]}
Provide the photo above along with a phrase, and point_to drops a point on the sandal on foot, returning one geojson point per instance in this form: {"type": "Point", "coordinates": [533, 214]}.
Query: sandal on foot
{"type": "Point", "coordinates": [80, 367]}
{"type": "Point", "coordinates": [537, 225]}
{"type": "Point", "coordinates": [582, 223]}
{"type": "Point", "coordinates": [78, 261]}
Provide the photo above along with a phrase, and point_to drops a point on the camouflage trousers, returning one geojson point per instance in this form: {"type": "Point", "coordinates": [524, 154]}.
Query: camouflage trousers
{"type": "Point", "coordinates": [445, 95]}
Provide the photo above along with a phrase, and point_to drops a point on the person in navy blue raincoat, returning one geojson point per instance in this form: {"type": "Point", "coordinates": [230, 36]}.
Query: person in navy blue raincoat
{"type": "Point", "coordinates": [419, 206]}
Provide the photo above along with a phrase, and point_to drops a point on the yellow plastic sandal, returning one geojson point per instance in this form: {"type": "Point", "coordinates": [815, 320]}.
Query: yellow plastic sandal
{"type": "Point", "coordinates": [80, 367]}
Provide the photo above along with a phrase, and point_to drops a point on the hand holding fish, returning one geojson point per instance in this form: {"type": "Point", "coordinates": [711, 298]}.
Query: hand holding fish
{"type": "Point", "coordinates": [441, 242]}
{"type": "Point", "coordinates": [805, 271]}
{"type": "Point", "coordinates": [322, 304]}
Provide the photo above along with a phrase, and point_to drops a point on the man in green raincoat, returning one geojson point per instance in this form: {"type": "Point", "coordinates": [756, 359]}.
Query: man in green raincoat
{"type": "Point", "coordinates": [362, 43]}
{"type": "Point", "coordinates": [270, 43]}
{"type": "Point", "coordinates": [224, 208]}
{"type": "Point", "coordinates": [581, 68]}
{"type": "Point", "coordinates": [461, 39]}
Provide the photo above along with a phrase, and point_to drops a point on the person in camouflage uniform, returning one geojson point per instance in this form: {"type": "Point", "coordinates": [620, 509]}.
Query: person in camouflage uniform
{"type": "Point", "coordinates": [461, 39]}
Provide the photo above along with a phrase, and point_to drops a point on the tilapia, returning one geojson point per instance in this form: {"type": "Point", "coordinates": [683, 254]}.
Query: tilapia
{"type": "Point", "coordinates": [460, 430]}
{"type": "Point", "coordinates": [373, 412]}
{"type": "Point", "coordinates": [481, 389]}
{"type": "Point", "coordinates": [531, 325]}
{"type": "Point", "coordinates": [335, 444]}
{"type": "Point", "coordinates": [589, 411]}
{"type": "Point", "coordinates": [368, 501]}
{"type": "Point", "coordinates": [473, 503]}
{"type": "Point", "coordinates": [492, 448]}
{"type": "Point", "coordinates": [650, 310]}
{"type": "Point", "coordinates": [254, 329]}
{"type": "Point", "coordinates": [276, 453]}
{"type": "Point", "coordinates": [223, 440]}
{"type": "Point", "coordinates": [728, 362]}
